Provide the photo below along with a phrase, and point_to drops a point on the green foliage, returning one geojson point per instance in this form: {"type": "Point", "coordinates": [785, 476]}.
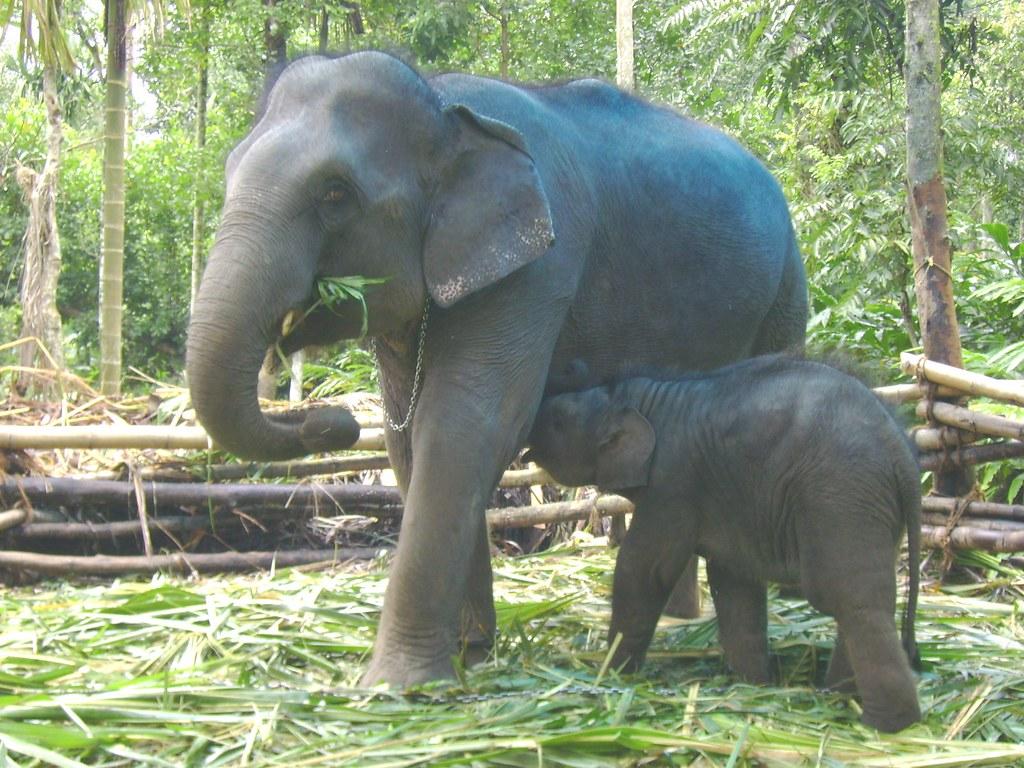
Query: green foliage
{"type": "Point", "coordinates": [335, 291]}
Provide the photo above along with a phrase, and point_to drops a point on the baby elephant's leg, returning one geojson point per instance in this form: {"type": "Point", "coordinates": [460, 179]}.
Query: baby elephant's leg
{"type": "Point", "coordinates": [851, 575]}
{"type": "Point", "coordinates": [839, 676]}
{"type": "Point", "coordinates": [654, 553]}
{"type": "Point", "coordinates": [742, 609]}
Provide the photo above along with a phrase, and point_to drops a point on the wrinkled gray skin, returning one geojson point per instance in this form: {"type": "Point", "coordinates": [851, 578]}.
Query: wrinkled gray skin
{"type": "Point", "coordinates": [773, 469]}
{"type": "Point", "coordinates": [544, 224]}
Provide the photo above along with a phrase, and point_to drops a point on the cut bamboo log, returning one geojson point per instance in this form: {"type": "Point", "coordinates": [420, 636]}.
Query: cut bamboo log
{"type": "Point", "coordinates": [179, 562]}
{"type": "Point", "coordinates": [971, 421]}
{"type": "Point", "coordinates": [961, 380]}
{"type": "Point", "coordinates": [12, 518]}
{"type": "Point", "coordinates": [975, 509]}
{"type": "Point", "coordinates": [57, 491]}
{"type": "Point", "coordinates": [978, 454]}
{"type": "Point", "coordinates": [962, 537]}
{"type": "Point", "coordinates": [136, 436]}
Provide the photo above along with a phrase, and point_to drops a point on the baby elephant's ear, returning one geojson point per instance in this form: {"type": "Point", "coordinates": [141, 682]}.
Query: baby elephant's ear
{"type": "Point", "coordinates": [624, 451]}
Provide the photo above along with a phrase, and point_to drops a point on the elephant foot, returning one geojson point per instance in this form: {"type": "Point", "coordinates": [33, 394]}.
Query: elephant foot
{"type": "Point", "coordinates": [399, 673]}
{"type": "Point", "coordinates": [891, 720]}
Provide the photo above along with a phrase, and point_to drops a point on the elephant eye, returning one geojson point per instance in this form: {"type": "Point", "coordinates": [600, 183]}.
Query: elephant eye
{"type": "Point", "coordinates": [335, 195]}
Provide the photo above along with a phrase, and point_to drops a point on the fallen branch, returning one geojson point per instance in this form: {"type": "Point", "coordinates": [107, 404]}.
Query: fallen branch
{"type": "Point", "coordinates": [971, 421]}
{"type": "Point", "coordinates": [979, 454]}
{"type": "Point", "coordinates": [179, 562]}
{"type": "Point", "coordinates": [139, 437]}
{"type": "Point", "coordinates": [62, 491]}
{"type": "Point", "coordinates": [961, 380]}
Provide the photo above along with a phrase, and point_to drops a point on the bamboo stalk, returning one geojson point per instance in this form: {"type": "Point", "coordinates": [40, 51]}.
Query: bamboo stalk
{"type": "Point", "coordinates": [961, 380]}
{"type": "Point", "coordinates": [58, 491]}
{"type": "Point", "coordinates": [975, 509]}
{"type": "Point", "coordinates": [179, 562]}
{"type": "Point", "coordinates": [897, 394]}
{"type": "Point", "coordinates": [971, 521]}
{"type": "Point", "coordinates": [963, 537]}
{"type": "Point", "coordinates": [135, 436]}
{"type": "Point", "coordinates": [557, 512]}
{"type": "Point", "coordinates": [938, 438]}
{"type": "Point", "coordinates": [971, 421]}
{"type": "Point", "coordinates": [273, 469]}
{"type": "Point", "coordinates": [979, 454]}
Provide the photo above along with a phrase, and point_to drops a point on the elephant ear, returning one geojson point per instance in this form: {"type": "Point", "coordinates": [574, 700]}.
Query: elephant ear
{"type": "Point", "coordinates": [490, 215]}
{"type": "Point", "coordinates": [624, 450]}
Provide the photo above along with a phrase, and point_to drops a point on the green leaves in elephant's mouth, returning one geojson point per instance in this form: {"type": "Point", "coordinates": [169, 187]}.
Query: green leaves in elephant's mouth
{"type": "Point", "coordinates": [332, 293]}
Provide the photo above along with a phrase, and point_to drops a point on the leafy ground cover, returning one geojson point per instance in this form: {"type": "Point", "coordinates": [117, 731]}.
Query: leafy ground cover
{"type": "Point", "coordinates": [263, 669]}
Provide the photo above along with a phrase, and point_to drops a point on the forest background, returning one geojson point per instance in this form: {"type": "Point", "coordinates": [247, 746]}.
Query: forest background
{"type": "Point", "coordinates": [815, 89]}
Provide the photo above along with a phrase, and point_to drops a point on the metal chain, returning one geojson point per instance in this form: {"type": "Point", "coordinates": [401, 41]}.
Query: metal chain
{"type": "Point", "coordinates": [475, 698]}
{"type": "Point", "coordinates": [417, 378]}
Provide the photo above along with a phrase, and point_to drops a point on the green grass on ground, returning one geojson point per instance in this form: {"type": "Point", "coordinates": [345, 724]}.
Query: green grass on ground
{"type": "Point", "coordinates": [262, 670]}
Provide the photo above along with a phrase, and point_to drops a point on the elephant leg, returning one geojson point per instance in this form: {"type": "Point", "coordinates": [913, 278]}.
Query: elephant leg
{"type": "Point", "coordinates": [477, 618]}
{"type": "Point", "coordinates": [684, 602]}
{"type": "Point", "coordinates": [481, 389]}
{"type": "Point", "coordinates": [851, 575]}
{"type": "Point", "coordinates": [648, 565]}
{"type": "Point", "coordinates": [884, 679]}
{"type": "Point", "coordinates": [742, 609]}
{"type": "Point", "coordinates": [839, 676]}
{"type": "Point", "coordinates": [477, 614]}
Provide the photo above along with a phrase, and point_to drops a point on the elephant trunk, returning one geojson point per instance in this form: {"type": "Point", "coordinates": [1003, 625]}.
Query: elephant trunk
{"type": "Point", "coordinates": [237, 314]}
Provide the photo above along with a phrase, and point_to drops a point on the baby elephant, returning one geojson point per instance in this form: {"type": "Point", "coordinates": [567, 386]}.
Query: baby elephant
{"type": "Point", "coordinates": [774, 469]}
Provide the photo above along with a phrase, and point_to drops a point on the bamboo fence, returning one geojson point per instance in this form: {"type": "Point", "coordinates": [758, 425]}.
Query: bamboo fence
{"type": "Point", "coordinates": [172, 502]}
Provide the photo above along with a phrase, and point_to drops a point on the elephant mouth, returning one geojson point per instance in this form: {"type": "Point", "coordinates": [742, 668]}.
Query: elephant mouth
{"type": "Point", "coordinates": [315, 324]}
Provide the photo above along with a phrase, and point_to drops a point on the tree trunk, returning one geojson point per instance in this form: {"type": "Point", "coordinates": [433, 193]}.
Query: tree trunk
{"type": "Point", "coordinates": [275, 38]}
{"type": "Point", "coordinates": [112, 252]}
{"type": "Point", "coordinates": [927, 202]}
{"type": "Point", "coordinates": [505, 49]}
{"type": "Point", "coordinates": [40, 318]}
{"type": "Point", "coordinates": [324, 30]}
{"type": "Point", "coordinates": [198, 193]}
{"type": "Point", "coordinates": [624, 44]}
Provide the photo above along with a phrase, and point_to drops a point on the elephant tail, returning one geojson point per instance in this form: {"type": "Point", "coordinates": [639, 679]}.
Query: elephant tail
{"type": "Point", "coordinates": [912, 512]}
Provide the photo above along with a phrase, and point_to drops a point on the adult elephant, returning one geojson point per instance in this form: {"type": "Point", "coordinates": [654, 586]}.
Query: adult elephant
{"type": "Point", "coordinates": [520, 231]}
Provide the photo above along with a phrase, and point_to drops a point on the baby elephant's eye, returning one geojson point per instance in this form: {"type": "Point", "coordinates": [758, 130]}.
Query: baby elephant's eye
{"type": "Point", "coordinates": [334, 195]}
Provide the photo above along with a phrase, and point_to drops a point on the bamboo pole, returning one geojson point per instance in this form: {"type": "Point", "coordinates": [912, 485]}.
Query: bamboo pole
{"type": "Point", "coordinates": [971, 421]}
{"type": "Point", "coordinates": [975, 509]}
{"type": "Point", "coordinates": [558, 511]}
{"type": "Point", "coordinates": [961, 380]}
{"type": "Point", "coordinates": [963, 537]}
{"type": "Point", "coordinates": [179, 562]}
{"type": "Point", "coordinates": [940, 438]}
{"type": "Point", "coordinates": [59, 491]}
{"type": "Point", "coordinates": [977, 523]}
{"type": "Point", "coordinates": [897, 394]}
{"type": "Point", "coordinates": [135, 436]}
{"type": "Point", "coordinates": [978, 454]}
